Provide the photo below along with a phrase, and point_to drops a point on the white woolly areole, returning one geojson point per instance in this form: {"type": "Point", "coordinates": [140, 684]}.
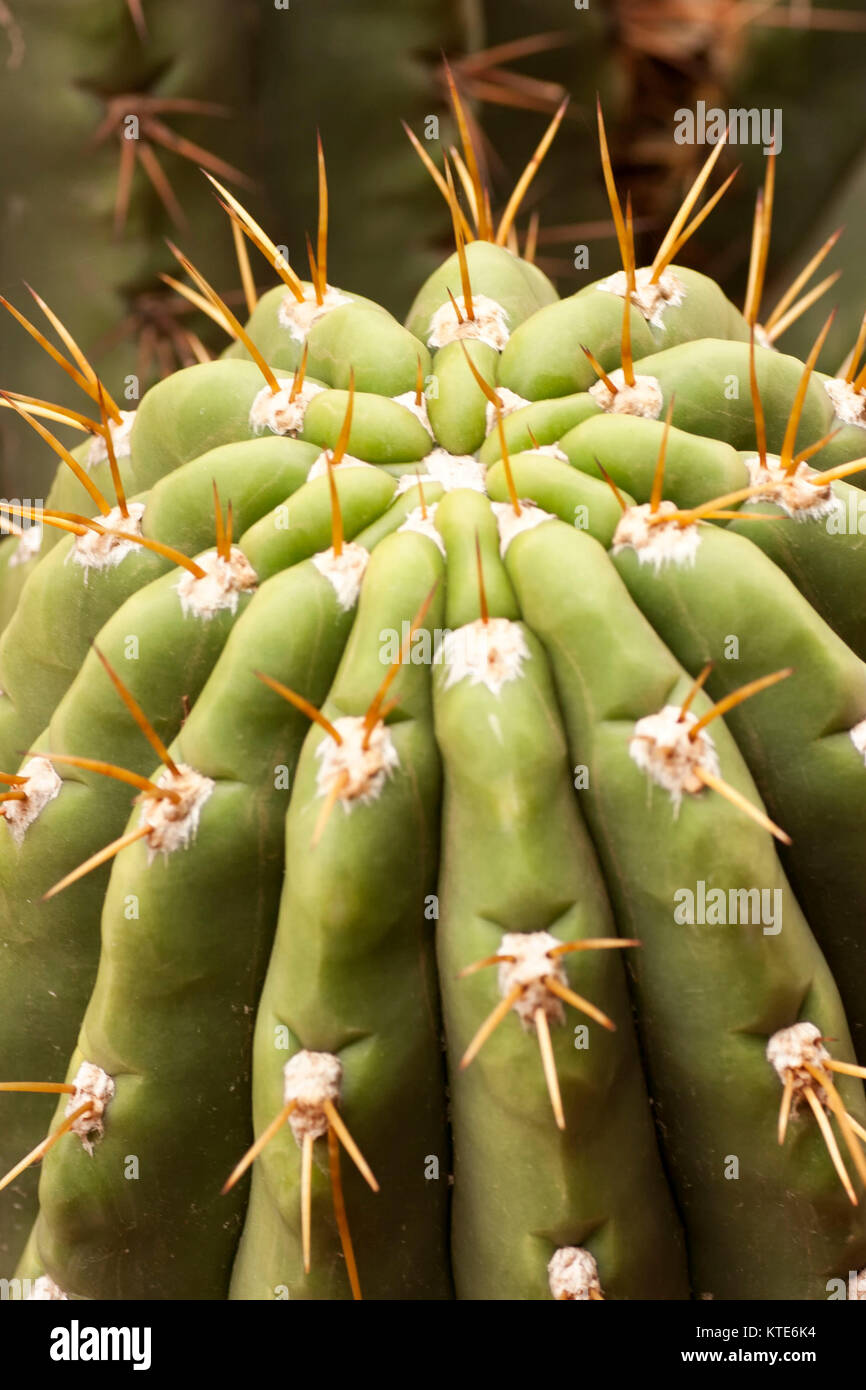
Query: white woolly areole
{"type": "Point", "coordinates": [490, 653]}
{"type": "Point", "coordinates": [449, 470]}
{"type": "Point", "coordinates": [796, 494]}
{"type": "Point", "coordinates": [94, 1088]}
{"type": "Point", "coordinates": [298, 316]}
{"type": "Point", "coordinates": [789, 1050]}
{"type": "Point", "coordinates": [511, 523]}
{"type": "Point", "coordinates": [417, 408]}
{"type": "Point", "coordinates": [661, 747]}
{"type": "Point", "coordinates": [120, 431]}
{"type": "Point", "coordinates": [45, 1289]}
{"type": "Point", "coordinates": [650, 299]}
{"type": "Point", "coordinates": [848, 403]}
{"type": "Point", "coordinates": [172, 825]}
{"type": "Point", "coordinates": [509, 402]}
{"type": "Point", "coordinates": [219, 587]}
{"type": "Point", "coordinates": [319, 466]}
{"type": "Point", "coordinates": [275, 411]}
{"type": "Point", "coordinates": [309, 1079]}
{"type": "Point", "coordinates": [489, 324]}
{"type": "Point", "coordinates": [424, 525]}
{"type": "Point", "coordinates": [345, 572]}
{"type": "Point", "coordinates": [552, 451]}
{"type": "Point", "coordinates": [29, 544]}
{"type": "Point", "coordinates": [362, 771]}
{"type": "Point", "coordinates": [103, 549]}
{"type": "Point", "coordinates": [571, 1273]}
{"type": "Point", "coordinates": [858, 738]}
{"type": "Point", "coordinates": [532, 964]}
{"type": "Point", "coordinates": [857, 1285]}
{"type": "Point", "coordinates": [644, 399]}
{"type": "Point", "coordinates": [658, 545]}
{"type": "Point", "coordinates": [42, 785]}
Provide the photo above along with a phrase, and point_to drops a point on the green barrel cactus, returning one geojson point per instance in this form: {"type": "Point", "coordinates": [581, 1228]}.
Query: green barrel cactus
{"type": "Point", "coordinates": [490, 692]}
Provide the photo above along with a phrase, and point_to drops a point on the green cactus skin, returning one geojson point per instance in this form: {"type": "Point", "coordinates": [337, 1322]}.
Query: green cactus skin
{"type": "Point", "coordinates": [351, 974]}
{"type": "Point", "coordinates": [543, 357]}
{"type": "Point", "coordinates": [192, 963]}
{"type": "Point", "coordinates": [517, 859]}
{"type": "Point", "coordinates": [61, 611]}
{"type": "Point", "coordinates": [714, 1090]}
{"type": "Point", "coordinates": [547, 422]}
{"type": "Point", "coordinates": [696, 468]}
{"type": "Point", "coordinates": [359, 908]}
{"type": "Point", "coordinates": [796, 738]}
{"type": "Point", "coordinates": [574, 497]}
{"type": "Point", "coordinates": [517, 287]}
{"type": "Point", "coordinates": [90, 721]}
{"type": "Point", "coordinates": [826, 574]}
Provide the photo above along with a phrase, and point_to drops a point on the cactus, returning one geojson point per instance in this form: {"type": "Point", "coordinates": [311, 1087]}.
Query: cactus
{"type": "Point", "coordinates": [493, 705]}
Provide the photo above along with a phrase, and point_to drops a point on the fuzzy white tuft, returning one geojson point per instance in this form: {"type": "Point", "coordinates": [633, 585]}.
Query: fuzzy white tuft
{"type": "Point", "coordinates": [42, 785]}
{"type": "Point", "coordinates": [571, 1273]}
{"type": "Point", "coordinates": [221, 585]}
{"type": "Point", "coordinates": [644, 399]}
{"type": "Point", "coordinates": [299, 316]}
{"type": "Point", "coordinates": [489, 324]}
{"type": "Point", "coordinates": [345, 572]}
{"type": "Point", "coordinates": [309, 1079]}
{"type": "Point", "coordinates": [490, 653]}
{"type": "Point", "coordinates": [658, 545]}
{"type": "Point", "coordinates": [661, 747]}
{"type": "Point", "coordinates": [650, 299]}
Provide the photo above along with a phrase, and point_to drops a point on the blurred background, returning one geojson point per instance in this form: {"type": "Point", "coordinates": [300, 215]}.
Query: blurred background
{"type": "Point", "coordinates": [242, 85]}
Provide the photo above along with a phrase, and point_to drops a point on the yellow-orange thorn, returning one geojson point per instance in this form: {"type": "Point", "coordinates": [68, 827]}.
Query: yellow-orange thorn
{"type": "Point", "coordinates": [242, 256]}
{"type": "Point", "coordinates": [484, 230]}
{"type": "Point", "coordinates": [233, 323]}
{"type": "Point", "coordinates": [659, 475]}
{"type": "Point", "coordinates": [626, 353]}
{"type": "Point", "coordinates": [260, 239]}
{"type": "Point", "coordinates": [787, 299]}
{"type": "Point", "coordinates": [314, 269]}
{"type": "Point", "coordinates": [610, 185]}
{"type": "Point", "coordinates": [856, 352]}
{"type": "Point", "coordinates": [662, 256]}
{"type": "Point", "coordinates": [95, 860]}
{"type": "Point", "coordinates": [255, 1149]}
{"type": "Point", "coordinates": [598, 368]}
{"type": "Point", "coordinates": [786, 458]}
{"type": "Point", "coordinates": [42, 1149]}
{"type": "Point", "coordinates": [460, 245]}
{"type": "Point", "coordinates": [374, 711]}
{"type": "Point", "coordinates": [299, 374]}
{"type": "Point", "coordinates": [697, 685]}
{"type": "Point", "coordinates": [120, 774]}
{"type": "Point", "coordinates": [322, 245]}
{"type": "Point", "coordinates": [346, 427]}
{"type": "Point", "coordinates": [340, 1214]}
{"type": "Point", "coordinates": [137, 713]}
{"type": "Point", "coordinates": [757, 405]}
{"type": "Point", "coordinates": [520, 188]}
{"type": "Point", "coordinates": [336, 514]}
{"type": "Point", "coordinates": [302, 704]}
{"type": "Point", "coordinates": [436, 177]}
{"type": "Point", "coordinates": [610, 482]}
{"type": "Point", "coordinates": [62, 452]}
{"type": "Point", "coordinates": [116, 480]}
{"type": "Point", "coordinates": [482, 592]}
{"type": "Point", "coordinates": [736, 697]}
